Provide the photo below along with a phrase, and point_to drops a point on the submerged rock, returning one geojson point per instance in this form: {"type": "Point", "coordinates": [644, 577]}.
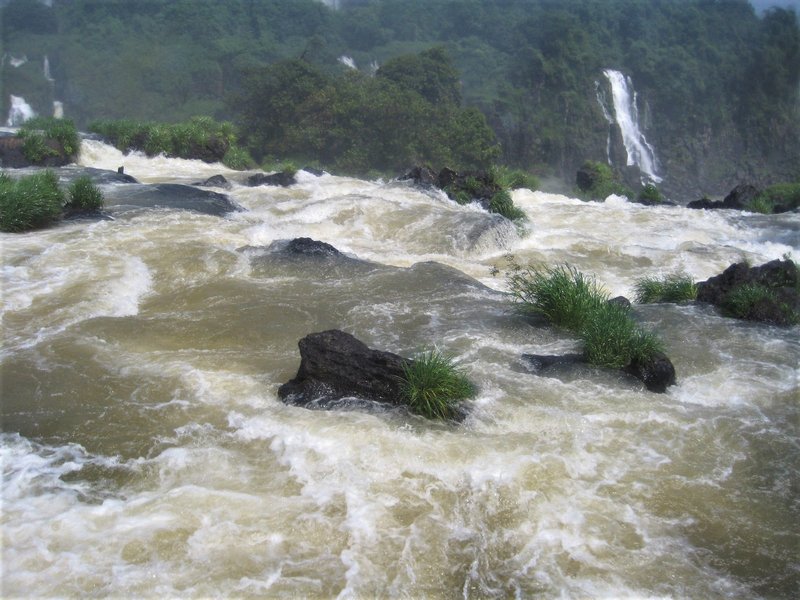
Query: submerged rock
{"type": "Point", "coordinates": [335, 365]}
{"type": "Point", "coordinates": [215, 181]}
{"type": "Point", "coordinates": [282, 179]}
{"type": "Point", "coordinates": [657, 373]}
{"type": "Point", "coordinates": [168, 195]}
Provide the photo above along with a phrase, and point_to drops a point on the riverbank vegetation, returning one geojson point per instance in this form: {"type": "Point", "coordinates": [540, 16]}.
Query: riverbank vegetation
{"type": "Point", "coordinates": [36, 201]}
{"type": "Point", "coordinates": [44, 137]}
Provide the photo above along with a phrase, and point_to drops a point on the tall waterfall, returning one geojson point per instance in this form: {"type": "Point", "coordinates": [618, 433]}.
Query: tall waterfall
{"type": "Point", "coordinates": [47, 74]}
{"type": "Point", "coordinates": [20, 112]}
{"type": "Point", "coordinates": [626, 113]}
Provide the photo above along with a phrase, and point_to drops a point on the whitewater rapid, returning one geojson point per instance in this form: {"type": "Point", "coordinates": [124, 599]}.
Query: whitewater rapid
{"type": "Point", "coordinates": [145, 452]}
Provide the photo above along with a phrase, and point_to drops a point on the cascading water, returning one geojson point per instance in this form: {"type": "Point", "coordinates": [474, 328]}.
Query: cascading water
{"type": "Point", "coordinates": [626, 114]}
{"type": "Point", "coordinates": [46, 70]}
{"type": "Point", "coordinates": [19, 112]}
{"type": "Point", "coordinates": [145, 452]}
{"type": "Point", "coordinates": [348, 62]}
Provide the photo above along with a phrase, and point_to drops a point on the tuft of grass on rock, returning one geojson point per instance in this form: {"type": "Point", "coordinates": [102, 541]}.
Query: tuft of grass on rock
{"type": "Point", "coordinates": [433, 385]}
{"type": "Point", "coordinates": [562, 294]}
{"type": "Point", "coordinates": [569, 299]}
{"type": "Point", "coordinates": [513, 179]}
{"type": "Point", "coordinates": [502, 204]}
{"type": "Point", "coordinates": [84, 195]}
{"type": "Point", "coordinates": [675, 287]}
{"type": "Point", "coordinates": [238, 159]}
{"type": "Point", "coordinates": [30, 202]}
{"type": "Point", "coordinates": [62, 131]}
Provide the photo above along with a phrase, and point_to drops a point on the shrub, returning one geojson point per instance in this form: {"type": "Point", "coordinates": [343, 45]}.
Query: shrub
{"type": "Point", "coordinates": [238, 159]}
{"type": "Point", "coordinates": [669, 288]}
{"type": "Point", "coordinates": [502, 204]}
{"type": "Point", "coordinates": [62, 131]}
{"type": "Point", "coordinates": [599, 182]}
{"type": "Point", "coordinates": [752, 301]}
{"type": "Point", "coordinates": [433, 386]}
{"type": "Point", "coordinates": [783, 195]}
{"type": "Point", "coordinates": [513, 179]}
{"type": "Point", "coordinates": [650, 194]}
{"type": "Point", "coordinates": [34, 147]}
{"type": "Point", "coordinates": [84, 195]}
{"type": "Point", "coordinates": [288, 168]}
{"type": "Point", "coordinates": [30, 202]}
{"type": "Point", "coordinates": [562, 294]}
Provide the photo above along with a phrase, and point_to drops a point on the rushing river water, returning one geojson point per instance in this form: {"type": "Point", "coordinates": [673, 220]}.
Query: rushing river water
{"type": "Point", "coordinates": [145, 452]}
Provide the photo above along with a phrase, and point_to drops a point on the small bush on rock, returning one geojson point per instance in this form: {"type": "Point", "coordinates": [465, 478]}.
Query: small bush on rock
{"type": "Point", "coordinates": [30, 202]}
{"type": "Point", "coordinates": [676, 287]}
{"type": "Point", "coordinates": [62, 131]}
{"type": "Point", "coordinates": [502, 204]}
{"type": "Point", "coordinates": [84, 195]}
{"type": "Point", "coordinates": [238, 159]}
{"type": "Point", "coordinates": [650, 194]}
{"type": "Point", "coordinates": [433, 386]}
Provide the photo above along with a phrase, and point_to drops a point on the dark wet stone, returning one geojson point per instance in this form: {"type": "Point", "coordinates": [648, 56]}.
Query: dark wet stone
{"type": "Point", "coordinates": [215, 181]}
{"type": "Point", "coordinates": [620, 301]}
{"type": "Point", "coordinates": [168, 195]}
{"type": "Point", "coordinates": [657, 372]}
{"type": "Point", "coordinates": [276, 179]}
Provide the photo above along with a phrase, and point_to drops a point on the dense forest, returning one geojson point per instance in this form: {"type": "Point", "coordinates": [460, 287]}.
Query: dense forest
{"type": "Point", "coordinates": [375, 83]}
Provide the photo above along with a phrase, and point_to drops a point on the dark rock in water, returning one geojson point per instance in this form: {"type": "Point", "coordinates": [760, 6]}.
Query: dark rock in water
{"type": "Point", "coordinates": [539, 363]}
{"type": "Point", "coordinates": [215, 181]}
{"type": "Point", "coordinates": [307, 247]}
{"type": "Point", "coordinates": [704, 203]}
{"type": "Point", "coordinates": [423, 176]}
{"type": "Point", "coordinates": [282, 179]}
{"type": "Point", "coordinates": [336, 365]}
{"type": "Point", "coordinates": [738, 199]}
{"type": "Point", "coordinates": [740, 196]}
{"type": "Point", "coordinates": [657, 372]}
{"type": "Point", "coordinates": [313, 171]}
{"type": "Point", "coordinates": [585, 178]}
{"type": "Point", "coordinates": [168, 195]}
{"type": "Point", "coordinates": [780, 277]}
{"type": "Point", "coordinates": [620, 301]}
{"type": "Point", "coordinates": [67, 175]}
{"type": "Point", "coordinates": [71, 214]}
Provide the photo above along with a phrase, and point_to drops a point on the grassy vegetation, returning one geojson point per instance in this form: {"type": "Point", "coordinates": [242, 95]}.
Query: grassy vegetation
{"type": "Point", "coordinates": [41, 129]}
{"type": "Point", "coordinates": [600, 182]}
{"type": "Point", "coordinates": [675, 287]}
{"type": "Point", "coordinates": [513, 179]}
{"type": "Point", "coordinates": [433, 386]}
{"type": "Point", "coordinates": [238, 159]}
{"type": "Point", "coordinates": [502, 204]}
{"type": "Point", "coordinates": [84, 195]}
{"type": "Point", "coordinates": [745, 302]}
{"type": "Point", "coordinates": [569, 299]}
{"type": "Point", "coordinates": [650, 194]}
{"type": "Point", "coordinates": [30, 202]}
{"type": "Point", "coordinates": [199, 137]}
{"type": "Point", "coordinates": [562, 294]}
{"type": "Point", "coordinates": [781, 195]}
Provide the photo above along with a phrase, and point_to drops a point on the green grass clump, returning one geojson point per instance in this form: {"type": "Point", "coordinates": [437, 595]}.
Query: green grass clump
{"type": "Point", "coordinates": [569, 299]}
{"type": "Point", "coordinates": [34, 147]}
{"type": "Point", "coordinates": [433, 386]}
{"type": "Point", "coordinates": [30, 202]}
{"type": "Point", "coordinates": [502, 204]}
{"type": "Point", "coordinates": [562, 294]}
{"type": "Point", "coordinates": [785, 195]}
{"type": "Point", "coordinates": [513, 179]}
{"type": "Point", "coordinates": [62, 131]}
{"type": "Point", "coordinates": [650, 193]}
{"type": "Point", "coordinates": [603, 182]}
{"type": "Point", "coordinates": [747, 301]}
{"type": "Point", "coordinates": [238, 159]}
{"type": "Point", "coordinates": [84, 195]}
{"type": "Point", "coordinates": [675, 287]}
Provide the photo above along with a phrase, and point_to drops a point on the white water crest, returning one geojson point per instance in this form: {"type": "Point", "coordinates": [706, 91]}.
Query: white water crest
{"type": "Point", "coordinates": [145, 452]}
{"type": "Point", "coordinates": [19, 112]}
{"type": "Point", "coordinates": [626, 113]}
{"type": "Point", "coordinates": [348, 62]}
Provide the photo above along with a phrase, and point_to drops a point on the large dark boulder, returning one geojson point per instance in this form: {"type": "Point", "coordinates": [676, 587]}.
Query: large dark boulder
{"type": "Point", "coordinates": [167, 195]}
{"type": "Point", "coordinates": [281, 179]}
{"type": "Point", "coordinates": [423, 176]}
{"type": "Point", "coordinates": [335, 365]}
{"type": "Point", "coordinates": [739, 198]}
{"type": "Point", "coordinates": [781, 277]}
{"type": "Point", "coordinates": [215, 181]}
